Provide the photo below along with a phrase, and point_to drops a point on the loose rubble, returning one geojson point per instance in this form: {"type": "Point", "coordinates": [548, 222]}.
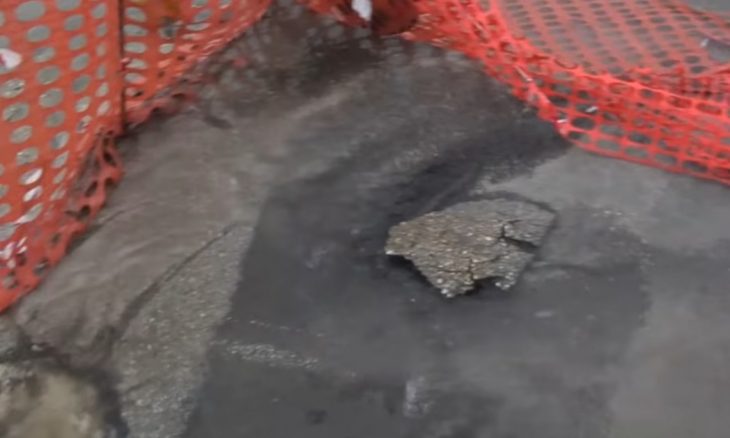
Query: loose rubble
{"type": "Point", "coordinates": [42, 402]}
{"type": "Point", "coordinates": [457, 247]}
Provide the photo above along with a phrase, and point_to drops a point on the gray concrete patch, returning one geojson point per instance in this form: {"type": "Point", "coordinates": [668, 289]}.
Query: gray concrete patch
{"type": "Point", "coordinates": [670, 383]}
{"type": "Point", "coordinates": [160, 359]}
{"type": "Point", "coordinates": [710, 5]}
{"type": "Point", "coordinates": [669, 211]}
{"type": "Point", "coordinates": [10, 338]}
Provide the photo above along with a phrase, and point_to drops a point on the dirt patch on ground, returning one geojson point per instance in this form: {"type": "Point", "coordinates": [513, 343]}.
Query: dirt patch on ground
{"type": "Point", "coordinates": [38, 400]}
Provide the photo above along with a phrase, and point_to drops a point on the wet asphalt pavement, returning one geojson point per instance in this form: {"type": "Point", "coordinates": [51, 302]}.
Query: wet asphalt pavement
{"type": "Point", "coordinates": [619, 329]}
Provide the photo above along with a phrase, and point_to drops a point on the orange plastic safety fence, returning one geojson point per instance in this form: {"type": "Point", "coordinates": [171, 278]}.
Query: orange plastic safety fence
{"type": "Point", "coordinates": [60, 102]}
{"type": "Point", "coordinates": [641, 80]}
{"type": "Point", "coordinates": [71, 73]}
{"type": "Point", "coordinates": [163, 39]}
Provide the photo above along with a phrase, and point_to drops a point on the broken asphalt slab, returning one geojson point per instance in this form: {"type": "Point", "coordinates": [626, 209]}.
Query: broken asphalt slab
{"type": "Point", "coordinates": [460, 246]}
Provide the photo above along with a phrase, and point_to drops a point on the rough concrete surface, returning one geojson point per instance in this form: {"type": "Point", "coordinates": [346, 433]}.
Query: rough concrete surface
{"type": "Point", "coordinates": [160, 359]}
{"type": "Point", "coordinates": [670, 382]}
{"type": "Point", "coordinates": [460, 246]}
{"type": "Point", "coordinates": [10, 338]}
{"type": "Point", "coordinates": [238, 271]}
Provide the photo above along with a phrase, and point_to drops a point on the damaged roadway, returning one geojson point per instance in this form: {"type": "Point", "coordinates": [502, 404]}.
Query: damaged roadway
{"type": "Point", "coordinates": [239, 275]}
{"type": "Point", "coordinates": [460, 246]}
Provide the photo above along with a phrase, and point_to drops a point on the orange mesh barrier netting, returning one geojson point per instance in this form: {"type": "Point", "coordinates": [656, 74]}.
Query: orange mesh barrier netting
{"type": "Point", "coordinates": [164, 39]}
{"type": "Point", "coordinates": [70, 94]}
{"type": "Point", "coordinates": [642, 80]}
{"type": "Point", "coordinates": [60, 105]}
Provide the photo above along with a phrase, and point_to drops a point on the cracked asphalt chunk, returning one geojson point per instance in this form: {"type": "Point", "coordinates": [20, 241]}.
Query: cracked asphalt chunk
{"type": "Point", "coordinates": [459, 246]}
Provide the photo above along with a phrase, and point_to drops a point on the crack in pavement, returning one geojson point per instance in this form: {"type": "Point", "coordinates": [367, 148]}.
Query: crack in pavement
{"type": "Point", "coordinates": [106, 339]}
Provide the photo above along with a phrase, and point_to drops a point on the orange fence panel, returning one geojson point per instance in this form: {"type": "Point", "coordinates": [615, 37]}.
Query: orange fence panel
{"type": "Point", "coordinates": [72, 72]}
{"type": "Point", "coordinates": [60, 103]}
{"type": "Point", "coordinates": [641, 80]}
{"type": "Point", "coordinates": [164, 39]}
